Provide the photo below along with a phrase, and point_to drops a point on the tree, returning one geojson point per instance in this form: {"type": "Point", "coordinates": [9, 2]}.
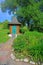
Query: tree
{"type": "Point", "coordinates": [27, 9]}
{"type": "Point", "coordinates": [5, 24]}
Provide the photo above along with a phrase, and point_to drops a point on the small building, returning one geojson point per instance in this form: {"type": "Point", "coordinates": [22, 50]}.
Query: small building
{"type": "Point", "coordinates": [14, 26]}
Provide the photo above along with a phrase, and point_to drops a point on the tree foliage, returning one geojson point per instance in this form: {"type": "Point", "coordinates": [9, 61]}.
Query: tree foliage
{"type": "Point", "coordinates": [5, 24]}
{"type": "Point", "coordinates": [28, 9]}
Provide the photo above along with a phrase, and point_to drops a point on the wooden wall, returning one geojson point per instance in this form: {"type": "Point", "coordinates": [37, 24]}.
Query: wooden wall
{"type": "Point", "coordinates": [17, 29]}
{"type": "Point", "coordinates": [10, 26]}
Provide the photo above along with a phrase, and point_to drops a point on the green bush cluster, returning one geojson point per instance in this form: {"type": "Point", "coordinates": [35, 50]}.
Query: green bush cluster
{"type": "Point", "coordinates": [24, 29]}
{"type": "Point", "coordinates": [30, 44]}
{"type": "Point", "coordinates": [5, 25]}
{"type": "Point", "coordinates": [36, 51]}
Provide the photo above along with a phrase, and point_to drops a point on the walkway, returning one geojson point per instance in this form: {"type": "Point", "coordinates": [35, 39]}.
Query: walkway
{"type": "Point", "coordinates": [5, 52]}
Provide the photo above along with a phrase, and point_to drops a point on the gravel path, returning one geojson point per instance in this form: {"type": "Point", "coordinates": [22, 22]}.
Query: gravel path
{"type": "Point", "coordinates": [5, 53]}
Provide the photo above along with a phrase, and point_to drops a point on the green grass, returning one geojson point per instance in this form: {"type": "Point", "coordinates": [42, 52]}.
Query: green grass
{"type": "Point", "coordinates": [26, 43]}
{"type": "Point", "coordinates": [1, 26]}
{"type": "Point", "coordinates": [3, 35]}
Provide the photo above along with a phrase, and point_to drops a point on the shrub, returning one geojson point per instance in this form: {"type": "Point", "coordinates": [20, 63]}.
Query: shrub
{"type": "Point", "coordinates": [5, 24]}
{"type": "Point", "coordinates": [30, 44]}
{"type": "Point", "coordinates": [36, 51]}
{"type": "Point", "coordinates": [19, 44]}
{"type": "Point", "coordinates": [24, 29]}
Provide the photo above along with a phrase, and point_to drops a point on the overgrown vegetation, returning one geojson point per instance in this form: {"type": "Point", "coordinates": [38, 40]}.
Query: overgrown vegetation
{"type": "Point", "coordinates": [4, 32]}
{"type": "Point", "coordinates": [5, 24]}
{"type": "Point", "coordinates": [30, 45]}
{"type": "Point", "coordinates": [23, 29]}
{"type": "Point", "coordinates": [4, 35]}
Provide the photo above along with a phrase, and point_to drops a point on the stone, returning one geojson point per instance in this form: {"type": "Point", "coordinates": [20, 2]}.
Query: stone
{"type": "Point", "coordinates": [16, 36]}
{"type": "Point", "coordinates": [10, 35]}
{"type": "Point", "coordinates": [21, 59]}
{"type": "Point", "coordinates": [42, 63]}
{"type": "Point", "coordinates": [32, 62]}
{"type": "Point", "coordinates": [25, 60]}
{"type": "Point", "coordinates": [13, 57]}
{"type": "Point", "coordinates": [18, 60]}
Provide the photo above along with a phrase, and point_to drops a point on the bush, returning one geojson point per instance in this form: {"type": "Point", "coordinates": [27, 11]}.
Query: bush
{"type": "Point", "coordinates": [36, 51]}
{"type": "Point", "coordinates": [19, 44]}
{"type": "Point", "coordinates": [5, 24]}
{"type": "Point", "coordinates": [24, 29]}
{"type": "Point", "coordinates": [30, 44]}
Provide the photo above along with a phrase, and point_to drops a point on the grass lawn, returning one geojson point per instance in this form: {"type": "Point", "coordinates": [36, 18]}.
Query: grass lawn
{"type": "Point", "coordinates": [3, 35]}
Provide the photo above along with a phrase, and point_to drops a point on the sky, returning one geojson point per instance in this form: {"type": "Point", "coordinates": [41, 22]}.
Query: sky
{"type": "Point", "coordinates": [4, 15]}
